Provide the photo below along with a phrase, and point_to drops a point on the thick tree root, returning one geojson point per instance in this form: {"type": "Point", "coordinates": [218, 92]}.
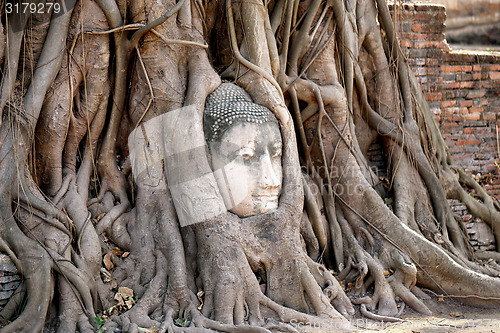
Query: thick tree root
{"type": "Point", "coordinates": [330, 61]}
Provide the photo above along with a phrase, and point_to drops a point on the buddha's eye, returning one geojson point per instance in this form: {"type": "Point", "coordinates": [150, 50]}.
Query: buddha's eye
{"type": "Point", "coordinates": [246, 153]}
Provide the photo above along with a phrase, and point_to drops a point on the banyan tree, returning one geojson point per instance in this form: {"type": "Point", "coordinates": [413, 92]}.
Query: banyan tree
{"type": "Point", "coordinates": [203, 165]}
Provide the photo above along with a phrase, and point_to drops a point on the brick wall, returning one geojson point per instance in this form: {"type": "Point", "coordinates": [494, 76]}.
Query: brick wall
{"type": "Point", "coordinates": [462, 88]}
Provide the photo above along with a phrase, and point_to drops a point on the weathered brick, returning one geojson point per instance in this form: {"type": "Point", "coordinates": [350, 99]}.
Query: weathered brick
{"type": "Point", "coordinates": [451, 85]}
{"type": "Point", "coordinates": [475, 110]}
{"type": "Point", "coordinates": [418, 61]}
{"type": "Point", "coordinates": [423, 16]}
{"type": "Point", "coordinates": [481, 102]}
{"type": "Point", "coordinates": [451, 110]}
{"type": "Point", "coordinates": [466, 68]}
{"type": "Point", "coordinates": [433, 70]}
{"type": "Point", "coordinates": [495, 67]}
{"type": "Point", "coordinates": [420, 71]}
{"type": "Point", "coordinates": [426, 27]}
{"type": "Point", "coordinates": [449, 77]}
{"type": "Point", "coordinates": [480, 123]}
{"type": "Point", "coordinates": [417, 27]}
{"type": "Point", "coordinates": [405, 43]}
{"type": "Point", "coordinates": [473, 116]}
{"type": "Point", "coordinates": [464, 77]}
{"type": "Point", "coordinates": [473, 94]}
{"type": "Point", "coordinates": [445, 104]}
{"type": "Point", "coordinates": [490, 84]}
{"type": "Point", "coordinates": [432, 53]}
{"type": "Point", "coordinates": [433, 96]}
{"type": "Point", "coordinates": [432, 62]}
{"type": "Point", "coordinates": [469, 130]}
{"type": "Point", "coordinates": [489, 116]}
{"type": "Point", "coordinates": [454, 94]}
{"type": "Point", "coordinates": [467, 84]}
{"type": "Point", "coordinates": [495, 75]}
{"type": "Point", "coordinates": [479, 76]}
{"type": "Point", "coordinates": [427, 44]}
{"type": "Point", "coordinates": [450, 68]}
{"type": "Point", "coordinates": [457, 118]}
{"type": "Point", "coordinates": [465, 103]}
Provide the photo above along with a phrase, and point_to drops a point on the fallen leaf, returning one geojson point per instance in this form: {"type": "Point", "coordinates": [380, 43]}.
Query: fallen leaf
{"type": "Point", "coordinates": [116, 251]}
{"type": "Point", "coordinates": [119, 298]}
{"type": "Point", "coordinates": [125, 292]}
{"type": "Point", "coordinates": [100, 217]}
{"type": "Point", "coordinates": [106, 276]}
{"type": "Point", "coordinates": [456, 314]}
{"type": "Point", "coordinates": [440, 298]}
{"type": "Point", "coordinates": [113, 310]}
{"type": "Point", "coordinates": [387, 273]}
{"type": "Point", "coordinates": [200, 295]}
{"type": "Point", "coordinates": [129, 303]}
{"type": "Point", "coordinates": [125, 254]}
{"type": "Point", "coordinates": [148, 330]}
{"type": "Point", "coordinates": [107, 261]}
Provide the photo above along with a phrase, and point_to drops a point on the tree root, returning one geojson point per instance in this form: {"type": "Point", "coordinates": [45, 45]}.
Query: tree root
{"type": "Point", "coordinates": [256, 271]}
{"type": "Point", "coordinates": [36, 270]}
{"type": "Point", "coordinates": [373, 316]}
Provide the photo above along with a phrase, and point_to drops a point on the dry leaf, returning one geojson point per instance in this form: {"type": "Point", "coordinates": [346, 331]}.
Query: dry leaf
{"type": "Point", "coordinates": [387, 273]}
{"type": "Point", "coordinates": [125, 254]}
{"type": "Point", "coordinates": [106, 276]}
{"type": "Point", "coordinates": [119, 298]}
{"type": "Point", "coordinates": [200, 295]}
{"type": "Point", "coordinates": [456, 314]}
{"type": "Point", "coordinates": [148, 330]}
{"type": "Point", "coordinates": [129, 303]}
{"type": "Point", "coordinates": [125, 292]}
{"type": "Point", "coordinates": [116, 251]}
{"type": "Point", "coordinates": [114, 310]}
{"type": "Point", "coordinates": [440, 298]}
{"type": "Point", "coordinates": [100, 217]}
{"type": "Point", "coordinates": [107, 261]}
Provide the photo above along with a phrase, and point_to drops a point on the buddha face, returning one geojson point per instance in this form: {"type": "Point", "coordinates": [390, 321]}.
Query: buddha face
{"type": "Point", "coordinates": [247, 166]}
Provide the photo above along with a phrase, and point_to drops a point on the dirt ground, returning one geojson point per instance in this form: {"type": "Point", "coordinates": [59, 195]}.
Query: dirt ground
{"type": "Point", "coordinates": [448, 316]}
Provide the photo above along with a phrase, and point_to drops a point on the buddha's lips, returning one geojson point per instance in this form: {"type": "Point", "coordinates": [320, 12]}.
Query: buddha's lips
{"type": "Point", "coordinates": [266, 197]}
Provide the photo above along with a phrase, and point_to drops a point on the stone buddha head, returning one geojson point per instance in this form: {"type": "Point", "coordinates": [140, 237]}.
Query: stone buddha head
{"type": "Point", "coordinates": [245, 148]}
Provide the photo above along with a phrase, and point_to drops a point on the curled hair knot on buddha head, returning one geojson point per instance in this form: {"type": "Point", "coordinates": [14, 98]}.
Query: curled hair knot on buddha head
{"type": "Point", "coordinates": [228, 105]}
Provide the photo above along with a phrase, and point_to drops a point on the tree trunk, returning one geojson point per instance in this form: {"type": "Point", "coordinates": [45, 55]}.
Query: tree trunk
{"type": "Point", "coordinates": [116, 221]}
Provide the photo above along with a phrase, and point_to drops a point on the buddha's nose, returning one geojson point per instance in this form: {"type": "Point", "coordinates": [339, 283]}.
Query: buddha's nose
{"type": "Point", "coordinates": [268, 177]}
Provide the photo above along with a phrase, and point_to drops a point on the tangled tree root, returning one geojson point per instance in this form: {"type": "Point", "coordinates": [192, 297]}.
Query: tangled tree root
{"type": "Point", "coordinates": [71, 193]}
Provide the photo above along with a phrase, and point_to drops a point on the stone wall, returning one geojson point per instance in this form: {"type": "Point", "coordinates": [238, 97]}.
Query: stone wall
{"type": "Point", "coordinates": [9, 279]}
{"type": "Point", "coordinates": [462, 88]}
{"type": "Point", "coordinates": [472, 22]}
